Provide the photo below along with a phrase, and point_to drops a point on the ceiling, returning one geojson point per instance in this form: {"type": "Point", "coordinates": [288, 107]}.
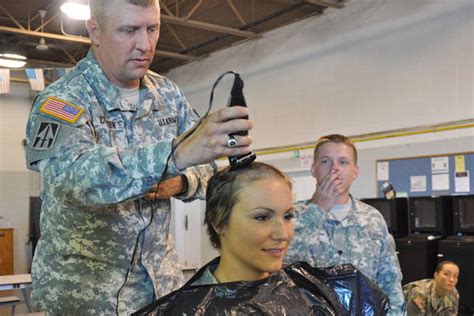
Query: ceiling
{"type": "Point", "coordinates": [190, 30]}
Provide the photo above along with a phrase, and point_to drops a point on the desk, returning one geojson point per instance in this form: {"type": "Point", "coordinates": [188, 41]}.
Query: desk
{"type": "Point", "coordinates": [15, 279]}
{"type": "Point", "coordinates": [21, 289]}
{"type": "Point", "coordinates": [19, 307]}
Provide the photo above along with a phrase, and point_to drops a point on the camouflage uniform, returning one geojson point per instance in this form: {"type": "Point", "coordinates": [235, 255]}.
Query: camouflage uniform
{"type": "Point", "coordinates": [103, 248]}
{"type": "Point", "coordinates": [434, 305]}
{"type": "Point", "coordinates": [361, 238]}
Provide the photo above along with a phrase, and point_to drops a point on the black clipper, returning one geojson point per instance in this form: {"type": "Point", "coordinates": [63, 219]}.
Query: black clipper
{"type": "Point", "coordinates": [237, 98]}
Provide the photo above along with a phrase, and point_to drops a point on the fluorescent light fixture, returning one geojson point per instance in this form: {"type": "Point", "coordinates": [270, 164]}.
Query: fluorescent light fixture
{"type": "Point", "coordinates": [12, 60]}
{"type": "Point", "coordinates": [76, 10]}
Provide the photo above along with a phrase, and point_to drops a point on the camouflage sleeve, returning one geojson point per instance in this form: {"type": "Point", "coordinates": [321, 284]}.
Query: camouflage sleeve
{"type": "Point", "coordinates": [197, 178]}
{"type": "Point", "coordinates": [389, 276]}
{"type": "Point", "coordinates": [302, 248]}
{"type": "Point", "coordinates": [456, 303]}
{"type": "Point", "coordinates": [79, 171]}
{"type": "Point", "coordinates": [414, 289]}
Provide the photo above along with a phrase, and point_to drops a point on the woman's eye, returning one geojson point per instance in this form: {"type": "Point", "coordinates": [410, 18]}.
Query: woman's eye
{"type": "Point", "coordinates": [290, 216]}
{"type": "Point", "coordinates": [262, 217]}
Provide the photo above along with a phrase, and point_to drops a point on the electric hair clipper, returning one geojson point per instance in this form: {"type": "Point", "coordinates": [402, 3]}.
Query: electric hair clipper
{"type": "Point", "coordinates": [237, 98]}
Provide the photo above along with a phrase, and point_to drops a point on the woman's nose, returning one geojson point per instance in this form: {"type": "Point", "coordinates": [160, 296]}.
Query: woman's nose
{"type": "Point", "coordinates": [281, 230]}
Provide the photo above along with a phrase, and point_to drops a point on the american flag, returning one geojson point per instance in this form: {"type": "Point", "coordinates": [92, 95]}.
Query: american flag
{"type": "Point", "coordinates": [36, 78]}
{"type": "Point", "coordinates": [4, 81]}
{"type": "Point", "coordinates": [61, 109]}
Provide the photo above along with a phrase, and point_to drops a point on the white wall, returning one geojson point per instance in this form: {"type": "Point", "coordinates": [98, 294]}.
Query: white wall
{"type": "Point", "coordinates": [16, 183]}
{"type": "Point", "coordinates": [373, 66]}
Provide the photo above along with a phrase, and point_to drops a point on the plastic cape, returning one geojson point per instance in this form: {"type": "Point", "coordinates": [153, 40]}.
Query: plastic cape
{"type": "Point", "coordinates": [298, 289]}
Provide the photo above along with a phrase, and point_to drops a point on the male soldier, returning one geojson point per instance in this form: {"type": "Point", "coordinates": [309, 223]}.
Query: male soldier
{"type": "Point", "coordinates": [102, 136]}
{"type": "Point", "coordinates": [333, 227]}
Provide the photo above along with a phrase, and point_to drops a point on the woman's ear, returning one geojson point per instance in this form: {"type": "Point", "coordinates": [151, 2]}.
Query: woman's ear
{"type": "Point", "coordinates": [219, 230]}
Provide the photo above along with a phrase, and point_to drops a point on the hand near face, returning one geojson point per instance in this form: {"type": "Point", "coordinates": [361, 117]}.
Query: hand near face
{"type": "Point", "coordinates": [334, 168]}
{"type": "Point", "coordinates": [328, 191]}
{"type": "Point", "coordinates": [165, 189]}
{"type": "Point", "coordinates": [209, 140]}
{"type": "Point", "coordinates": [419, 301]}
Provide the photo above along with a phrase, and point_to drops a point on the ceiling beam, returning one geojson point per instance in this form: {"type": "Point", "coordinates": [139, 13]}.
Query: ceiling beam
{"type": "Point", "coordinates": [12, 17]}
{"type": "Point", "coordinates": [42, 62]}
{"type": "Point", "coordinates": [207, 26]}
{"type": "Point", "coordinates": [176, 37]}
{"type": "Point", "coordinates": [41, 27]}
{"type": "Point", "coordinates": [71, 58]}
{"type": "Point", "coordinates": [165, 8]}
{"type": "Point", "coordinates": [236, 12]}
{"type": "Point", "coordinates": [165, 53]}
{"type": "Point", "coordinates": [193, 10]}
{"type": "Point", "coordinates": [77, 39]}
{"type": "Point", "coordinates": [84, 40]}
{"type": "Point", "coordinates": [326, 3]}
{"type": "Point", "coordinates": [321, 3]}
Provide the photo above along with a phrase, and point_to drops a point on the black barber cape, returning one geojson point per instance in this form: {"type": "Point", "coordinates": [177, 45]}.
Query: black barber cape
{"type": "Point", "coordinates": [298, 289]}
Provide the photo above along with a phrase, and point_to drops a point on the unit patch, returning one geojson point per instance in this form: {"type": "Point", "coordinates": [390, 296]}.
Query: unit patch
{"type": "Point", "coordinates": [45, 136]}
{"type": "Point", "coordinates": [61, 109]}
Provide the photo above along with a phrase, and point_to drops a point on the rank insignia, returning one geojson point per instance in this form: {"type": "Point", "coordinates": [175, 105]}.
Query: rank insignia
{"type": "Point", "coordinates": [45, 136]}
{"type": "Point", "coordinates": [61, 109]}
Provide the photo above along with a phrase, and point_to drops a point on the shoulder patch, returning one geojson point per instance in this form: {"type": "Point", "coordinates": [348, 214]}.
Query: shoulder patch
{"type": "Point", "coordinates": [45, 136]}
{"type": "Point", "coordinates": [61, 109]}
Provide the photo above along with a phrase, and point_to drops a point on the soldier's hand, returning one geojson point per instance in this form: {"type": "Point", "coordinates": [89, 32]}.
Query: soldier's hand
{"type": "Point", "coordinates": [166, 189]}
{"type": "Point", "coordinates": [209, 140]}
{"type": "Point", "coordinates": [419, 301]}
{"type": "Point", "coordinates": [327, 191]}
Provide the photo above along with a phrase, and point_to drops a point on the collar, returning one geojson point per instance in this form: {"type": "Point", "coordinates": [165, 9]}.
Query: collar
{"type": "Point", "coordinates": [320, 216]}
{"type": "Point", "coordinates": [105, 91]}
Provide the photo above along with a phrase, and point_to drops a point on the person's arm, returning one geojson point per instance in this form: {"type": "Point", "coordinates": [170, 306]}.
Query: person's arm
{"type": "Point", "coordinates": [187, 187]}
{"type": "Point", "coordinates": [413, 308]}
{"type": "Point", "coordinates": [415, 295]}
{"type": "Point", "coordinates": [168, 188]}
{"type": "Point", "coordinates": [80, 172]}
{"type": "Point", "coordinates": [192, 183]}
{"type": "Point", "coordinates": [308, 220]}
{"type": "Point", "coordinates": [389, 276]}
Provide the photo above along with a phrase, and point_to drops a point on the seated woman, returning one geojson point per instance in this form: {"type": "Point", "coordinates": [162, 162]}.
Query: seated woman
{"type": "Point", "coordinates": [436, 296]}
{"type": "Point", "coordinates": [249, 216]}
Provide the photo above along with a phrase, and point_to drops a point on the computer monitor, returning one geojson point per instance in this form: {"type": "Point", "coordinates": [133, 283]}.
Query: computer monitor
{"type": "Point", "coordinates": [430, 215]}
{"type": "Point", "coordinates": [463, 214]}
{"type": "Point", "coordinates": [395, 213]}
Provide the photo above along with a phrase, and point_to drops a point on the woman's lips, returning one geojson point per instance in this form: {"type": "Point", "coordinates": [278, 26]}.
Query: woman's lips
{"type": "Point", "coordinates": [275, 252]}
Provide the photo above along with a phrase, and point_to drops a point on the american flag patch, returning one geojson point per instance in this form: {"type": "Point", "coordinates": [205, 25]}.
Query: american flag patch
{"type": "Point", "coordinates": [61, 109]}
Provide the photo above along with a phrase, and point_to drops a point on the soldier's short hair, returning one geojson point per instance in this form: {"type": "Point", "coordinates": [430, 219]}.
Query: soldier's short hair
{"type": "Point", "coordinates": [441, 265]}
{"type": "Point", "coordinates": [100, 8]}
{"type": "Point", "coordinates": [223, 193]}
{"type": "Point", "coordinates": [335, 138]}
